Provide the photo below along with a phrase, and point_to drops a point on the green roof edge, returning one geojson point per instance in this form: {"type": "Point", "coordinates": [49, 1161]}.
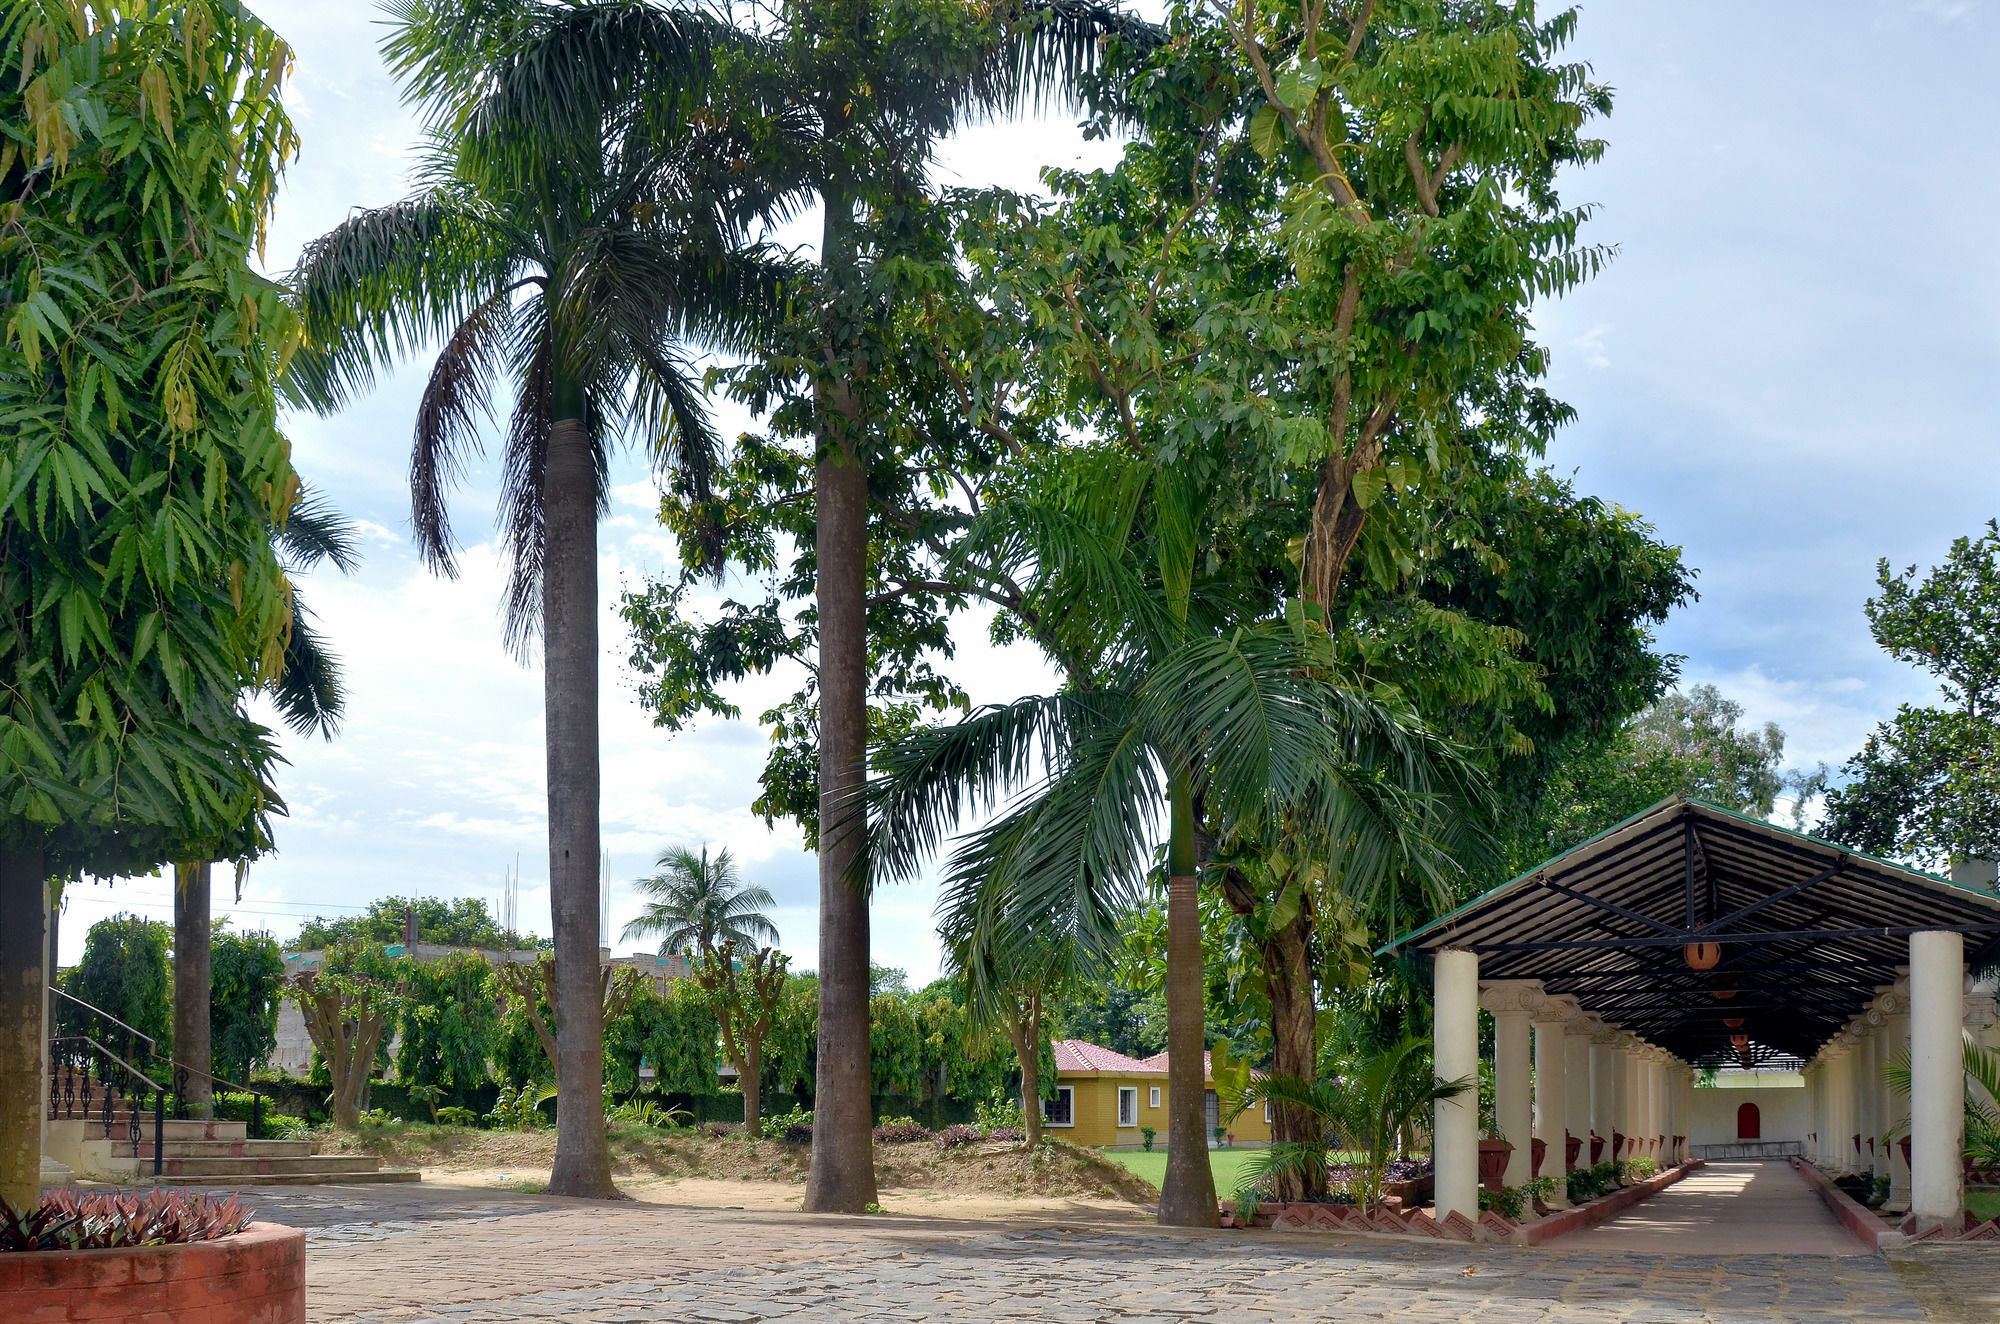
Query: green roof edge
{"type": "Point", "coordinates": [1655, 808]}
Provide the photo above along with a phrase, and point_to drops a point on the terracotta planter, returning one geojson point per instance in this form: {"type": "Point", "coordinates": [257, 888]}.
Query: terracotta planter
{"type": "Point", "coordinates": [1617, 1145]}
{"type": "Point", "coordinates": [1493, 1156]}
{"type": "Point", "coordinates": [1572, 1146]}
{"type": "Point", "coordinates": [1539, 1148]}
{"type": "Point", "coordinates": [1596, 1149]}
{"type": "Point", "coordinates": [1904, 1145]}
{"type": "Point", "coordinates": [257, 1276]}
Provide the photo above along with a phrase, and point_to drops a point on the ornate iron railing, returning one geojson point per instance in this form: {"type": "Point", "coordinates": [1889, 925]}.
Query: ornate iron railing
{"type": "Point", "coordinates": [88, 1082]}
{"type": "Point", "coordinates": [79, 1016]}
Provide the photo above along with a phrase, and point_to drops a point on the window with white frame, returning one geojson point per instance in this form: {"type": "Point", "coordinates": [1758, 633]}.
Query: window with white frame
{"type": "Point", "coordinates": [1128, 1105]}
{"type": "Point", "coordinates": [1267, 1110]}
{"type": "Point", "coordinates": [1061, 1110]}
{"type": "Point", "coordinates": [1153, 1099]}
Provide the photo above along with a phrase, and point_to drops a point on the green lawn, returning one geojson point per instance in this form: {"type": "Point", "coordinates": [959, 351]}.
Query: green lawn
{"type": "Point", "coordinates": [1227, 1164]}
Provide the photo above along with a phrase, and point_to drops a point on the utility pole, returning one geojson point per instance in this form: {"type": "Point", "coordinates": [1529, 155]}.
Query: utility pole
{"type": "Point", "coordinates": [409, 930]}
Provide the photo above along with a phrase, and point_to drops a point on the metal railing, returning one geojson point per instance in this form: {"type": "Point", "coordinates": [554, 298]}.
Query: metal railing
{"type": "Point", "coordinates": [178, 1072]}
{"type": "Point", "coordinates": [87, 1077]}
{"type": "Point", "coordinates": [1750, 1149]}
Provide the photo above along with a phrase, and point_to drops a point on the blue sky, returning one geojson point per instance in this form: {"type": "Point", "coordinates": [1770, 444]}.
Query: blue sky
{"type": "Point", "coordinates": [1789, 368]}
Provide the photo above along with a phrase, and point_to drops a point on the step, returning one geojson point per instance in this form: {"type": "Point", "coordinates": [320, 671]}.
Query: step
{"type": "Point", "coordinates": [380, 1175]}
{"type": "Point", "coordinates": [204, 1149]}
{"type": "Point", "coordinates": [175, 1129]}
{"type": "Point", "coordinates": [223, 1166]}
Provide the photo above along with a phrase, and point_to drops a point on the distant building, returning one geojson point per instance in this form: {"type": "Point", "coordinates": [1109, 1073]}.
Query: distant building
{"type": "Point", "coordinates": [1107, 1099]}
{"type": "Point", "coordinates": [293, 1054]}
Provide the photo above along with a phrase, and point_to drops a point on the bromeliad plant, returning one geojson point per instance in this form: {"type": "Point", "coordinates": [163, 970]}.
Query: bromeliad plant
{"type": "Point", "coordinates": [1361, 1112]}
{"type": "Point", "coordinates": [69, 1219]}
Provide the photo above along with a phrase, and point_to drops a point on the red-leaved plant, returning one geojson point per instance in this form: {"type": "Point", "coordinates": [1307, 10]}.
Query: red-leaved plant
{"type": "Point", "coordinates": [69, 1219]}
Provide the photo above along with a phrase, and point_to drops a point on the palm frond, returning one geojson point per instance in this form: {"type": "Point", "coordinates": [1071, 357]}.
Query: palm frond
{"type": "Point", "coordinates": [1047, 54]}
{"type": "Point", "coordinates": [315, 533]}
{"type": "Point", "coordinates": [455, 400]}
{"type": "Point", "coordinates": [522, 514]}
{"type": "Point", "coordinates": [385, 283]}
{"type": "Point", "coordinates": [308, 692]}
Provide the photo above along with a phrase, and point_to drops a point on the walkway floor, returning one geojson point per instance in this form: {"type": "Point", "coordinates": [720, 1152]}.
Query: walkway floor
{"type": "Point", "coordinates": [1747, 1208]}
{"type": "Point", "coordinates": [422, 1255]}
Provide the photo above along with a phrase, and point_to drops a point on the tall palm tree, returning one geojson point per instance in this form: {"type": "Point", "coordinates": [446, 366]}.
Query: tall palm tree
{"type": "Point", "coordinates": [1198, 706]}
{"type": "Point", "coordinates": [699, 903]}
{"type": "Point", "coordinates": [852, 98]}
{"type": "Point", "coordinates": [310, 699]}
{"type": "Point", "coordinates": [573, 241]}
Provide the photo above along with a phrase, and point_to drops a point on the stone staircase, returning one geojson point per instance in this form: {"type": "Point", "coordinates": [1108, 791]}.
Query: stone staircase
{"type": "Point", "coordinates": [215, 1153]}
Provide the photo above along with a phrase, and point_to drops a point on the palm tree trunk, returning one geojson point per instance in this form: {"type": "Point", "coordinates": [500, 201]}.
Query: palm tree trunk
{"type": "Point", "coordinates": [192, 952]}
{"type": "Point", "coordinates": [842, 1177]}
{"type": "Point", "coordinates": [569, 689]}
{"type": "Point", "coordinates": [1187, 1196]}
{"type": "Point", "coordinates": [24, 916]}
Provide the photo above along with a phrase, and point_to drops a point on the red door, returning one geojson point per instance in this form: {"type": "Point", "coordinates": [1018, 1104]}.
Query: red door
{"type": "Point", "coordinates": [1749, 1125]}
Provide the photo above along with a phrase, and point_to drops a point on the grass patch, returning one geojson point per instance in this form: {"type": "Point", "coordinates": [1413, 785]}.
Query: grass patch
{"type": "Point", "coordinates": [1151, 1165]}
{"type": "Point", "coordinates": [1983, 1204]}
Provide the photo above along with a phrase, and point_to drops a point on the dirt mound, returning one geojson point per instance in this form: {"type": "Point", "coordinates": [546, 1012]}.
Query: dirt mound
{"type": "Point", "coordinates": [995, 1168]}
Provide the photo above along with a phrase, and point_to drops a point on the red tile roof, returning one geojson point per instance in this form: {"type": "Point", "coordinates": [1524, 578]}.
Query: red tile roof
{"type": "Point", "coordinates": [1158, 1062]}
{"type": "Point", "coordinates": [1076, 1057]}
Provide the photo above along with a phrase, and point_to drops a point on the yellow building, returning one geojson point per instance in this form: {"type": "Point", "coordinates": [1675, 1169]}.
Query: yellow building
{"type": "Point", "coordinates": [1105, 1099]}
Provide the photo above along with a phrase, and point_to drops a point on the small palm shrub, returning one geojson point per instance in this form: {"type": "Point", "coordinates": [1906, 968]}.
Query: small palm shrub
{"type": "Point", "coordinates": [456, 1116]}
{"type": "Point", "coordinates": [69, 1219]}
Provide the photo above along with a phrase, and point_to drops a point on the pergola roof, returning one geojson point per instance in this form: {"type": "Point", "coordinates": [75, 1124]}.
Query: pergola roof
{"type": "Point", "coordinates": [1808, 930]}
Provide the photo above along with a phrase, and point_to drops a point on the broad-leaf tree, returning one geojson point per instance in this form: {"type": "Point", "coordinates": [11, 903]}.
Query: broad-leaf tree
{"type": "Point", "coordinates": [349, 1002]}
{"type": "Point", "coordinates": [141, 467]}
{"type": "Point", "coordinates": [570, 243]}
{"type": "Point", "coordinates": [744, 988]}
{"type": "Point", "coordinates": [698, 902]}
{"type": "Point", "coordinates": [1926, 785]}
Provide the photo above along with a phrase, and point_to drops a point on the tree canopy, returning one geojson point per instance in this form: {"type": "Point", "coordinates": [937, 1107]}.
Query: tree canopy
{"type": "Point", "coordinates": [450, 922]}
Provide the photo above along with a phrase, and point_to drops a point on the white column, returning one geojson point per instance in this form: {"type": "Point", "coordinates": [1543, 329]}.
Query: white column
{"type": "Point", "coordinates": [1656, 1097]}
{"type": "Point", "coordinates": [1897, 1045]}
{"type": "Point", "coordinates": [1455, 1055]}
{"type": "Point", "coordinates": [1937, 1079]}
{"type": "Point", "coordinates": [1603, 1092]}
{"type": "Point", "coordinates": [1552, 1091]}
{"type": "Point", "coordinates": [1512, 1002]}
{"type": "Point", "coordinates": [1576, 1045]}
{"type": "Point", "coordinates": [1629, 1097]}
{"type": "Point", "coordinates": [1864, 1094]}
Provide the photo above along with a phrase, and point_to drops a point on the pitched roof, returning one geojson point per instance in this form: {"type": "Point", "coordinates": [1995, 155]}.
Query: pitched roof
{"type": "Point", "coordinates": [1077, 1057]}
{"type": "Point", "coordinates": [1158, 1062]}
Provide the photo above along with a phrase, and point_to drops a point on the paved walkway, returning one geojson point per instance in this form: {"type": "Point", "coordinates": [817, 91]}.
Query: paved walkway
{"type": "Point", "coordinates": [402, 1255]}
{"type": "Point", "coordinates": [1727, 1209]}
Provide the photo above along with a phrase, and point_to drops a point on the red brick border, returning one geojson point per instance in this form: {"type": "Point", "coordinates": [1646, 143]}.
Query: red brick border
{"type": "Point", "coordinates": [257, 1276]}
{"type": "Point", "coordinates": [1853, 1215]}
{"type": "Point", "coordinates": [1599, 1210]}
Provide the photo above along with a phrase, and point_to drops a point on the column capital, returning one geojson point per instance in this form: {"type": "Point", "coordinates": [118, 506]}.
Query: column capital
{"type": "Point", "coordinates": [1607, 1036]}
{"type": "Point", "coordinates": [1890, 1002]}
{"type": "Point", "coordinates": [1559, 1010]}
{"type": "Point", "coordinates": [1979, 1013]}
{"type": "Point", "coordinates": [1512, 997]}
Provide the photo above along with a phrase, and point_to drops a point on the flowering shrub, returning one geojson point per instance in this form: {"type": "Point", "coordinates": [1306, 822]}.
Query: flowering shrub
{"type": "Point", "coordinates": [69, 1219]}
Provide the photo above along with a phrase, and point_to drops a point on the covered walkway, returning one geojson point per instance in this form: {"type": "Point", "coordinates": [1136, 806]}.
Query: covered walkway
{"type": "Point", "coordinates": [1690, 938]}
{"type": "Point", "coordinates": [1759, 1208]}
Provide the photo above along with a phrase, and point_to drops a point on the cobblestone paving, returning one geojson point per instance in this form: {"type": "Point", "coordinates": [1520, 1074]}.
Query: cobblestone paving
{"type": "Point", "coordinates": [483, 1258]}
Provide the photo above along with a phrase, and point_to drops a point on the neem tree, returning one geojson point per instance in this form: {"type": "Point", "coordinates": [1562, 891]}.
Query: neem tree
{"type": "Point", "coordinates": [140, 465]}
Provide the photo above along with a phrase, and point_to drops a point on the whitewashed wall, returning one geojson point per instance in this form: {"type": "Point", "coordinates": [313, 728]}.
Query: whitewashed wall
{"type": "Point", "coordinates": [1782, 1109]}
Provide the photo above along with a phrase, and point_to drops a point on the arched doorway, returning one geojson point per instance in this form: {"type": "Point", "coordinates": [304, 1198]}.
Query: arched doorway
{"type": "Point", "coordinates": [1749, 1122]}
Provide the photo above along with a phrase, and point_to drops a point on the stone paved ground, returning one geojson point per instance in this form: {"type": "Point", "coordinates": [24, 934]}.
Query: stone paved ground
{"type": "Point", "coordinates": [436, 1256]}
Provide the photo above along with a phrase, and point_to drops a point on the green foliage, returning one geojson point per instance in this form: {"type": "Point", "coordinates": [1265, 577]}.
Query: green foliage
{"type": "Point", "coordinates": [779, 1125]}
{"type": "Point", "coordinates": [1510, 1202]}
{"type": "Point", "coordinates": [1926, 786]}
{"type": "Point", "coordinates": [1685, 744]}
{"type": "Point", "coordinates": [1362, 1112]}
{"type": "Point", "coordinates": [457, 922]}
{"type": "Point", "coordinates": [142, 473]}
{"type": "Point", "coordinates": [1124, 1019]}
{"type": "Point", "coordinates": [1146, 1134]}
{"type": "Point", "coordinates": [673, 1031]}
{"type": "Point", "coordinates": [247, 983]}
{"type": "Point", "coordinates": [520, 1109]}
{"type": "Point", "coordinates": [448, 1023]}
{"type": "Point", "coordinates": [125, 974]}
{"type": "Point", "coordinates": [997, 1112]}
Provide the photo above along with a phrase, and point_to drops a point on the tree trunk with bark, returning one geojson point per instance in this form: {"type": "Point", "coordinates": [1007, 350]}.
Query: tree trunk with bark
{"type": "Point", "coordinates": [1187, 1196]}
{"type": "Point", "coordinates": [842, 1177]}
{"type": "Point", "coordinates": [750, 1079]}
{"type": "Point", "coordinates": [1024, 1031]}
{"type": "Point", "coordinates": [569, 690]}
{"type": "Point", "coordinates": [1286, 955]}
{"type": "Point", "coordinates": [24, 917]}
{"type": "Point", "coordinates": [192, 982]}
{"type": "Point", "coordinates": [347, 1029]}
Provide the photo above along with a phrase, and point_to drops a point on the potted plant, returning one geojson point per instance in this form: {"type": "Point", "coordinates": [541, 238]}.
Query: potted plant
{"type": "Point", "coordinates": [1493, 1155]}
{"type": "Point", "coordinates": [172, 1256]}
